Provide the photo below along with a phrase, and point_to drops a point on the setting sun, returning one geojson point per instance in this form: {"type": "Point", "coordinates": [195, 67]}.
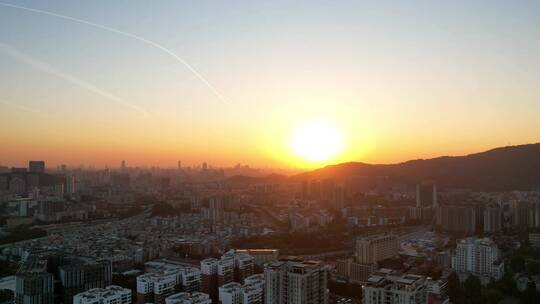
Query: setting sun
{"type": "Point", "coordinates": [316, 141]}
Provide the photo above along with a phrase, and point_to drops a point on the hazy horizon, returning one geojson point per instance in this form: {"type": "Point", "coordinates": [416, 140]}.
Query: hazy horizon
{"type": "Point", "coordinates": [229, 82]}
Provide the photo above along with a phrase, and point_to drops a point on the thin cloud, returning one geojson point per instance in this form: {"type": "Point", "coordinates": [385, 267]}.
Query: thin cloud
{"type": "Point", "coordinates": [22, 108]}
{"type": "Point", "coordinates": [130, 35]}
{"type": "Point", "coordinates": [44, 67]}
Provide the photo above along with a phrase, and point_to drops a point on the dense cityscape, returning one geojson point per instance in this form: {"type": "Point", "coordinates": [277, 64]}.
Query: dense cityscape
{"type": "Point", "coordinates": [269, 152]}
{"type": "Point", "coordinates": [200, 235]}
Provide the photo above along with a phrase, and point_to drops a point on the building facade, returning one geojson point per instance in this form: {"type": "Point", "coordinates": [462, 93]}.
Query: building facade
{"type": "Point", "coordinates": [109, 295]}
{"type": "Point", "coordinates": [295, 282]}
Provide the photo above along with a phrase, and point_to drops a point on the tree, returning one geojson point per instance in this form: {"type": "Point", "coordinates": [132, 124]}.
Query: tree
{"type": "Point", "coordinates": [530, 295]}
{"type": "Point", "coordinates": [517, 263]}
{"type": "Point", "coordinates": [454, 290]}
{"type": "Point", "coordinates": [492, 296]}
{"type": "Point", "coordinates": [473, 289]}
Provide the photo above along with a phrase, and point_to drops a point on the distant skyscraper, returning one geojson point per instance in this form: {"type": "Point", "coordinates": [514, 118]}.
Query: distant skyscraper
{"type": "Point", "coordinates": [123, 165]}
{"type": "Point", "coordinates": [492, 218]}
{"type": "Point", "coordinates": [179, 165]}
{"type": "Point", "coordinates": [338, 198]}
{"type": "Point", "coordinates": [205, 166]}
{"type": "Point", "coordinates": [70, 185]}
{"type": "Point", "coordinates": [426, 194]}
{"type": "Point", "coordinates": [36, 166]}
{"type": "Point", "coordinates": [315, 189]}
{"type": "Point", "coordinates": [457, 218]}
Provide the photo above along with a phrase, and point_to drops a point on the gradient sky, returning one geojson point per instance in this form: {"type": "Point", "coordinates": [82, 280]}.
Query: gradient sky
{"type": "Point", "coordinates": [402, 80]}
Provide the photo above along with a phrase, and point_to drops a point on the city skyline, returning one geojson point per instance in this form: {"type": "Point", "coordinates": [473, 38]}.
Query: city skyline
{"type": "Point", "coordinates": [397, 81]}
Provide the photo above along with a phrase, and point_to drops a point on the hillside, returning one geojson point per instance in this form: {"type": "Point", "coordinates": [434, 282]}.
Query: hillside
{"type": "Point", "coordinates": [506, 168]}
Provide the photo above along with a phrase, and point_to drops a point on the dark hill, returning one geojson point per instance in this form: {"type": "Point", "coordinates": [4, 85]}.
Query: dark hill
{"type": "Point", "coordinates": [507, 168]}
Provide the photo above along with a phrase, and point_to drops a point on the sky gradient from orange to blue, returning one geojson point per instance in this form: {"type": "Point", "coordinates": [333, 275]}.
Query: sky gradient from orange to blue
{"type": "Point", "coordinates": [400, 79]}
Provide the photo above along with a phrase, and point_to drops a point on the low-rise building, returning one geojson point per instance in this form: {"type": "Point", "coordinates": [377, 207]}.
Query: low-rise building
{"type": "Point", "coordinates": [188, 298]}
{"type": "Point", "coordinates": [389, 287]}
{"type": "Point", "coordinates": [109, 295]}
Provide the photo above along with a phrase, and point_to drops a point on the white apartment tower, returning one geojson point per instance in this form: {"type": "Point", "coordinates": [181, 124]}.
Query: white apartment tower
{"type": "Point", "coordinates": [479, 257]}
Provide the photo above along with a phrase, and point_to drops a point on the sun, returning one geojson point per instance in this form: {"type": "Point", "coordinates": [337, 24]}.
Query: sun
{"type": "Point", "coordinates": [316, 141]}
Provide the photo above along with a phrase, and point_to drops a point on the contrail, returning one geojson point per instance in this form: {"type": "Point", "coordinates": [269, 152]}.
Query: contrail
{"type": "Point", "coordinates": [42, 66]}
{"type": "Point", "coordinates": [136, 37]}
{"type": "Point", "coordinates": [22, 108]}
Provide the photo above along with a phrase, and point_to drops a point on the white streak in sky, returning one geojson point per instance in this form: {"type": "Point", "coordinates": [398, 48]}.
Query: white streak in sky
{"type": "Point", "coordinates": [42, 66]}
{"type": "Point", "coordinates": [22, 108]}
{"type": "Point", "coordinates": [136, 37]}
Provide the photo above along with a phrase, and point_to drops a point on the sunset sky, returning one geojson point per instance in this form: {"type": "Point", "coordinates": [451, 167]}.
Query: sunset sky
{"type": "Point", "coordinates": [398, 80]}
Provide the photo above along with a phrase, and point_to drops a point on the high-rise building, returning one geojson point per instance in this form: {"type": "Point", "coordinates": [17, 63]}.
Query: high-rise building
{"type": "Point", "coordinates": [315, 189]}
{"type": "Point", "coordinates": [295, 282]}
{"type": "Point", "coordinates": [244, 265]}
{"type": "Point", "coordinates": [209, 279]}
{"type": "Point", "coordinates": [34, 288]}
{"type": "Point", "coordinates": [225, 270]}
{"type": "Point", "coordinates": [479, 257]}
{"type": "Point", "coordinates": [492, 218]}
{"type": "Point", "coordinates": [36, 166]}
{"type": "Point", "coordinates": [33, 283]}
{"type": "Point", "coordinates": [304, 191]}
{"type": "Point", "coordinates": [525, 214]}
{"type": "Point", "coordinates": [70, 185]}
{"type": "Point", "coordinates": [457, 218]}
{"type": "Point", "coordinates": [154, 288]}
{"type": "Point", "coordinates": [375, 248]}
{"type": "Point", "coordinates": [328, 186]}
{"type": "Point", "coordinates": [389, 287]}
{"type": "Point", "coordinates": [339, 198]}
{"type": "Point", "coordinates": [426, 194]}
{"type": "Point", "coordinates": [354, 272]}
{"type": "Point", "coordinates": [109, 295]}
{"type": "Point", "coordinates": [82, 274]}
{"type": "Point", "coordinates": [188, 298]}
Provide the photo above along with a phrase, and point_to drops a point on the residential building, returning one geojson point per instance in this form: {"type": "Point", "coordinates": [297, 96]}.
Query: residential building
{"type": "Point", "coordinates": [479, 257]}
{"type": "Point", "coordinates": [375, 248]}
{"type": "Point", "coordinates": [390, 287]}
{"type": "Point", "coordinates": [231, 267]}
{"type": "Point", "coordinates": [457, 218]}
{"type": "Point", "coordinates": [109, 295]}
{"type": "Point", "coordinates": [261, 256]}
{"type": "Point", "coordinates": [188, 298]}
{"type": "Point", "coordinates": [295, 282]}
{"type": "Point", "coordinates": [492, 218]}
{"type": "Point", "coordinates": [82, 273]}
